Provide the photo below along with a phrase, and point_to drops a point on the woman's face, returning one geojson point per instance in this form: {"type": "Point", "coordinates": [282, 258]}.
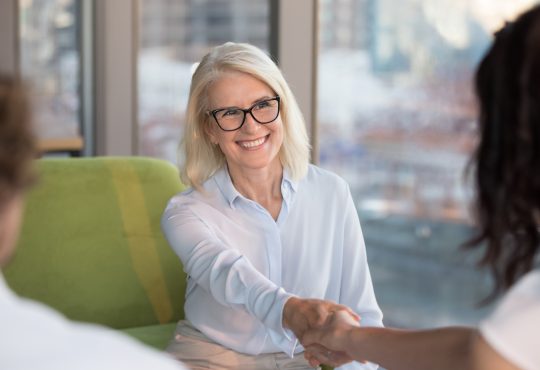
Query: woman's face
{"type": "Point", "coordinates": [253, 146]}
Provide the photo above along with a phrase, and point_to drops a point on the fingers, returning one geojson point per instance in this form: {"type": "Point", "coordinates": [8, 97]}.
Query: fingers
{"type": "Point", "coordinates": [300, 314]}
{"type": "Point", "coordinates": [335, 334]}
{"type": "Point", "coordinates": [313, 361]}
{"type": "Point", "coordinates": [321, 326]}
{"type": "Point", "coordinates": [317, 354]}
{"type": "Point", "coordinates": [318, 321]}
{"type": "Point", "coordinates": [312, 336]}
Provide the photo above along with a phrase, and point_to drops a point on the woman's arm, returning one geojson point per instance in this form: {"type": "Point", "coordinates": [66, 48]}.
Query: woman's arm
{"type": "Point", "coordinates": [485, 357]}
{"type": "Point", "coordinates": [233, 281]}
{"type": "Point", "coordinates": [441, 349]}
{"type": "Point", "coordinates": [221, 270]}
{"type": "Point", "coordinates": [447, 348]}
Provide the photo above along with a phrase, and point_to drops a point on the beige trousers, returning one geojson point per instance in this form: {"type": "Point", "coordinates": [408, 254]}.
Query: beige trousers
{"type": "Point", "coordinates": [199, 352]}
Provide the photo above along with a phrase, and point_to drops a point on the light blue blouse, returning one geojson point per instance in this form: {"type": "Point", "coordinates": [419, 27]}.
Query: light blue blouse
{"type": "Point", "coordinates": [243, 265]}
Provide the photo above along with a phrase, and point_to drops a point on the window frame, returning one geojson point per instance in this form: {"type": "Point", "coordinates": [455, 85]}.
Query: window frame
{"type": "Point", "coordinates": [10, 63]}
{"type": "Point", "coordinates": [108, 37]}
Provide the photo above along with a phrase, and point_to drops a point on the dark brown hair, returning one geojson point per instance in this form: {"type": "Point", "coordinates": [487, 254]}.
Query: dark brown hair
{"type": "Point", "coordinates": [17, 144]}
{"type": "Point", "coordinates": [507, 160]}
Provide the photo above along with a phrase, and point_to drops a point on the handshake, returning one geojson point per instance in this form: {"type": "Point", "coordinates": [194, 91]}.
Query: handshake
{"type": "Point", "coordinates": [324, 328]}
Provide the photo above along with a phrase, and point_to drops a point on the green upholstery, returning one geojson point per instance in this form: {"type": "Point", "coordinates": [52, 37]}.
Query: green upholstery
{"type": "Point", "coordinates": [91, 244]}
{"type": "Point", "coordinates": [154, 335]}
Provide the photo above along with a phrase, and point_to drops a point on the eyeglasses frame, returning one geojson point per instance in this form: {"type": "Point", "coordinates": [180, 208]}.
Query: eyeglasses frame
{"type": "Point", "coordinates": [246, 111]}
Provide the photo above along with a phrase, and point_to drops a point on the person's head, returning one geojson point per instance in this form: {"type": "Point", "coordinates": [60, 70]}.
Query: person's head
{"type": "Point", "coordinates": [507, 160]}
{"type": "Point", "coordinates": [241, 76]}
{"type": "Point", "coordinates": [16, 153]}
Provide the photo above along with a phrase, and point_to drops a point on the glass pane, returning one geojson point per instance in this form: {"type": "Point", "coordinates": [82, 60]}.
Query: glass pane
{"type": "Point", "coordinates": [397, 121]}
{"type": "Point", "coordinates": [49, 57]}
{"type": "Point", "coordinates": [175, 34]}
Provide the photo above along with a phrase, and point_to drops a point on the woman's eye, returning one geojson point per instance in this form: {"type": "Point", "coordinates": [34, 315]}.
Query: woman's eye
{"type": "Point", "coordinates": [262, 105]}
{"type": "Point", "coordinates": [230, 113]}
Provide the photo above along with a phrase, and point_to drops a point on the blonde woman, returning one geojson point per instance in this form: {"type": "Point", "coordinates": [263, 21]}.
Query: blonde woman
{"type": "Point", "coordinates": [272, 245]}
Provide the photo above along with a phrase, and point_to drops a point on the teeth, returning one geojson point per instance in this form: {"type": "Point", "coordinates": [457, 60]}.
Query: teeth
{"type": "Point", "coordinates": [251, 144]}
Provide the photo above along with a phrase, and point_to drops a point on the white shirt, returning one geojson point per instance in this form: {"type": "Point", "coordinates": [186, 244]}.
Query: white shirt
{"type": "Point", "coordinates": [513, 330]}
{"type": "Point", "coordinates": [34, 337]}
{"type": "Point", "coordinates": [243, 265]}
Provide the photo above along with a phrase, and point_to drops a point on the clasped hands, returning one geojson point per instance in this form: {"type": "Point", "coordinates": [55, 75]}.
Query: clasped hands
{"type": "Point", "coordinates": [323, 328]}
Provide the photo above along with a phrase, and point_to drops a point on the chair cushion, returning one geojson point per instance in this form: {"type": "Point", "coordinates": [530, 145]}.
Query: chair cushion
{"type": "Point", "coordinates": [91, 245]}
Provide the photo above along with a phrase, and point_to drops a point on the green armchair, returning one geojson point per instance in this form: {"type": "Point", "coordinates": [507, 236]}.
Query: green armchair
{"type": "Point", "coordinates": [91, 245]}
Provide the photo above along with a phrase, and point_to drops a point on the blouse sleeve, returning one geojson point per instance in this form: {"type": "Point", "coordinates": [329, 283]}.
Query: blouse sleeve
{"type": "Point", "coordinates": [223, 271]}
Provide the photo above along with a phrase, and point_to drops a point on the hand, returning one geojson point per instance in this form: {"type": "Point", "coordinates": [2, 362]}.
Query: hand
{"type": "Point", "coordinates": [317, 355]}
{"type": "Point", "coordinates": [328, 344]}
{"type": "Point", "coordinates": [301, 314]}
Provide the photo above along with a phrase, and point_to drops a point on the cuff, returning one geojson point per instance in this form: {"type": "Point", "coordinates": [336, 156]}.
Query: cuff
{"type": "Point", "coordinates": [283, 338]}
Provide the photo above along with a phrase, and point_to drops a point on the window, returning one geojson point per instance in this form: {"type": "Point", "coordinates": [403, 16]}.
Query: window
{"type": "Point", "coordinates": [175, 34]}
{"type": "Point", "coordinates": [50, 61]}
{"type": "Point", "coordinates": [397, 120]}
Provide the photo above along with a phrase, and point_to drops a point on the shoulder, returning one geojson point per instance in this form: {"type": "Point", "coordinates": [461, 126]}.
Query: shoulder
{"type": "Point", "coordinates": [185, 197]}
{"type": "Point", "coordinates": [530, 284]}
{"type": "Point", "coordinates": [325, 181]}
{"type": "Point", "coordinates": [21, 313]}
{"type": "Point", "coordinates": [523, 296]}
{"type": "Point", "coordinates": [209, 194]}
{"type": "Point", "coordinates": [193, 204]}
{"type": "Point", "coordinates": [61, 343]}
{"type": "Point", "coordinates": [508, 328]}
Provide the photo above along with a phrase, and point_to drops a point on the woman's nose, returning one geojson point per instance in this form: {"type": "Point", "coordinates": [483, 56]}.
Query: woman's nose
{"type": "Point", "coordinates": [250, 125]}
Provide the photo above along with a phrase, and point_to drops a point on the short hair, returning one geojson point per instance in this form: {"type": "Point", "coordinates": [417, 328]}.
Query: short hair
{"type": "Point", "coordinates": [201, 157]}
{"type": "Point", "coordinates": [507, 160]}
{"type": "Point", "coordinates": [17, 143]}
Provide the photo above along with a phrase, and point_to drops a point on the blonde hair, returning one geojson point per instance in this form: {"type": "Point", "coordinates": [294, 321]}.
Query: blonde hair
{"type": "Point", "coordinates": [201, 159]}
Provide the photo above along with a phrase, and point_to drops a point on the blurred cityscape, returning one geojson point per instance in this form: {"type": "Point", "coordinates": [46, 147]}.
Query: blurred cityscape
{"type": "Point", "coordinates": [396, 117]}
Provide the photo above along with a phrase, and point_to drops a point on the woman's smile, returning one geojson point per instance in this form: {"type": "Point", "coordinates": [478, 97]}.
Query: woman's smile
{"type": "Point", "coordinates": [253, 144]}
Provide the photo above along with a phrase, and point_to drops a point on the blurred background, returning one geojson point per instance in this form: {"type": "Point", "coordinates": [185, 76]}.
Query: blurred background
{"type": "Point", "coordinates": [385, 86]}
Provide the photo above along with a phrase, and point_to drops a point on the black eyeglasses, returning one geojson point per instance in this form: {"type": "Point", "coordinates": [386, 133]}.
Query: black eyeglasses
{"type": "Point", "coordinates": [263, 111]}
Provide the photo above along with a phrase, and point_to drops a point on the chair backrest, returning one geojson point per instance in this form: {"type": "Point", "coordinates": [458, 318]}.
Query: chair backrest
{"type": "Point", "coordinates": [91, 244]}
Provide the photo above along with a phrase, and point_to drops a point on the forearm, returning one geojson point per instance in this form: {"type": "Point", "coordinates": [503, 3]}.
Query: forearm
{"type": "Point", "coordinates": [444, 348]}
{"type": "Point", "coordinates": [223, 271]}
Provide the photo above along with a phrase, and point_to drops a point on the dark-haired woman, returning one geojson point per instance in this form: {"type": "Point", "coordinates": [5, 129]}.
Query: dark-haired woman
{"type": "Point", "coordinates": [507, 165]}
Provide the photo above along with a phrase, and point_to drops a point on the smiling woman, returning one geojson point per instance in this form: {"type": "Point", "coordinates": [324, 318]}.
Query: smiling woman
{"type": "Point", "coordinates": [251, 145]}
{"type": "Point", "coordinates": [264, 237]}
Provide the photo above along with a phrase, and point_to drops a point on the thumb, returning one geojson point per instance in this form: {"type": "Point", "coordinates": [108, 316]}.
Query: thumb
{"type": "Point", "coordinates": [348, 317]}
